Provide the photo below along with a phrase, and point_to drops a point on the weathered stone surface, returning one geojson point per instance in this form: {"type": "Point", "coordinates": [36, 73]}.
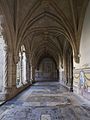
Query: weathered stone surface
{"type": "Point", "coordinates": [63, 106]}
{"type": "Point", "coordinates": [45, 117]}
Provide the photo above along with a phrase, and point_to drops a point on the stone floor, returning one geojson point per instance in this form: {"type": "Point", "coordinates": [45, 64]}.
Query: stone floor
{"type": "Point", "coordinates": [46, 101]}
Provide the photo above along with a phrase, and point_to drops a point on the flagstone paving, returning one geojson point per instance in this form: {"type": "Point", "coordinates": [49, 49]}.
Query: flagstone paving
{"type": "Point", "coordinates": [45, 101]}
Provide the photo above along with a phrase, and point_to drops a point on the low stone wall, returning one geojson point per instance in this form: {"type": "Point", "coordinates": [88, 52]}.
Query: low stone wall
{"type": "Point", "coordinates": [12, 92]}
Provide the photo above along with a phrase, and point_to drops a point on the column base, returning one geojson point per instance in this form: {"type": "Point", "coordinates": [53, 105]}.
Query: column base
{"type": "Point", "coordinates": [71, 89]}
{"type": "Point", "coordinates": [8, 92]}
{"type": "Point", "coordinates": [33, 81]}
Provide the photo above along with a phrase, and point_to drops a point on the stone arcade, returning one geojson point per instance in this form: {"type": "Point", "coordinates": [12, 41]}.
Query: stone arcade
{"type": "Point", "coordinates": [45, 47]}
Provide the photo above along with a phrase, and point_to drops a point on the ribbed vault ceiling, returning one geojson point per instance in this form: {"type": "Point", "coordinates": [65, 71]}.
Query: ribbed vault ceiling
{"type": "Point", "coordinates": [46, 27]}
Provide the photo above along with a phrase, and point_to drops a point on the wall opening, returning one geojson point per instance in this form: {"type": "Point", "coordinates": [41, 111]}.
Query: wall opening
{"type": "Point", "coordinates": [3, 51]}
{"type": "Point", "coordinates": [47, 70]}
{"type": "Point", "coordinates": [21, 67]}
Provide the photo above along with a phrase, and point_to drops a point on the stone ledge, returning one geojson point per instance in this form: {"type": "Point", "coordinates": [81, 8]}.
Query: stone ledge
{"type": "Point", "coordinates": [16, 91]}
{"type": "Point", "coordinates": [12, 92]}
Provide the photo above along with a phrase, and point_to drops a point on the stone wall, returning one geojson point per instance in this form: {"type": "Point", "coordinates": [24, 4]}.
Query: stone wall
{"type": "Point", "coordinates": [82, 82]}
{"type": "Point", "coordinates": [82, 70]}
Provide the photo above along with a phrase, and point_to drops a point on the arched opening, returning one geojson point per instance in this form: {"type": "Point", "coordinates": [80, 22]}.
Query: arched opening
{"type": "Point", "coordinates": [2, 62]}
{"type": "Point", "coordinates": [46, 70]}
{"type": "Point", "coordinates": [21, 67]}
{"type": "Point", "coordinates": [66, 72]}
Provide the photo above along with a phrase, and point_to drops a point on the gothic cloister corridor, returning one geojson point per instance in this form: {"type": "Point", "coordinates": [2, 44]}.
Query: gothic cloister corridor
{"type": "Point", "coordinates": [45, 101]}
{"type": "Point", "coordinates": [45, 59]}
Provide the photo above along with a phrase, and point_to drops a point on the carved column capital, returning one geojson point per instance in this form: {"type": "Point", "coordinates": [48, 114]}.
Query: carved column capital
{"type": "Point", "coordinates": [77, 58]}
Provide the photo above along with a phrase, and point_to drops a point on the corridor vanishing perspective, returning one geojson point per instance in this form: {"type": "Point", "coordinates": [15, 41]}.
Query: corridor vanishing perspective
{"type": "Point", "coordinates": [44, 59]}
{"type": "Point", "coordinates": [45, 101]}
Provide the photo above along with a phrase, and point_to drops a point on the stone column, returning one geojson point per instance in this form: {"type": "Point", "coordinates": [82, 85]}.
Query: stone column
{"type": "Point", "coordinates": [24, 67]}
{"type": "Point", "coordinates": [32, 73]}
{"type": "Point", "coordinates": [5, 72]}
{"type": "Point", "coordinates": [71, 73]}
{"type": "Point", "coordinates": [2, 62]}
{"type": "Point", "coordinates": [21, 69]}
{"type": "Point", "coordinates": [11, 70]}
{"type": "Point", "coordinates": [69, 67]}
{"type": "Point", "coordinates": [9, 83]}
{"type": "Point", "coordinates": [27, 69]}
{"type": "Point", "coordinates": [66, 74]}
{"type": "Point", "coordinates": [31, 77]}
{"type": "Point", "coordinates": [58, 74]}
{"type": "Point", "coordinates": [70, 70]}
{"type": "Point", "coordinates": [66, 69]}
{"type": "Point", "coordinates": [17, 70]}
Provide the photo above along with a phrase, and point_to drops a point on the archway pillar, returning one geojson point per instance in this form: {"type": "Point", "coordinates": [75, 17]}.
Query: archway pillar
{"type": "Point", "coordinates": [9, 84]}
{"type": "Point", "coordinates": [65, 70]}
{"type": "Point", "coordinates": [71, 73]}
{"type": "Point", "coordinates": [28, 74]}
{"type": "Point", "coordinates": [32, 73]}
